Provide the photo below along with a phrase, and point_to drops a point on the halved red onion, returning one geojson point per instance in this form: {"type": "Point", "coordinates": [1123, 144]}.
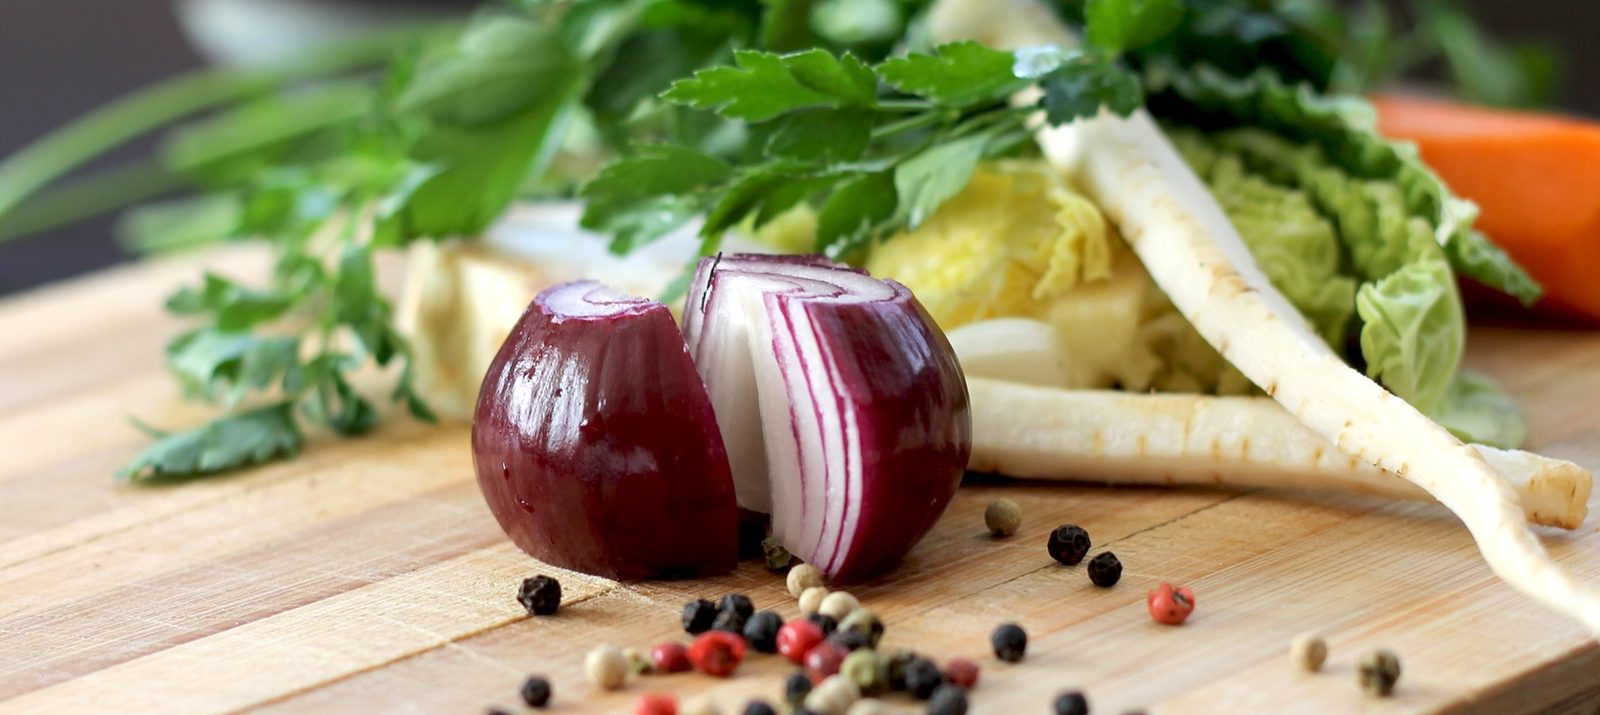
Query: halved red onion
{"type": "Point", "coordinates": [595, 445]}
{"type": "Point", "coordinates": [855, 394]}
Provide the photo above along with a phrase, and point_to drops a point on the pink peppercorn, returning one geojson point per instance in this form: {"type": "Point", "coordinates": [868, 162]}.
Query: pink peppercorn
{"type": "Point", "coordinates": [670, 658]}
{"type": "Point", "coordinates": [716, 653]}
{"type": "Point", "coordinates": [798, 637]}
{"type": "Point", "coordinates": [1170, 605]}
{"type": "Point", "coordinates": [655, 704]}
{"type": "Point", "coordinates": [962, 672]}
{"type": "Point", "coordinates": [824, 660]}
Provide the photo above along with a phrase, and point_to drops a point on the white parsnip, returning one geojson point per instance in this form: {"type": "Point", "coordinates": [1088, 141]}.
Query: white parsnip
{"type": "Point", "coordinates": [1118, 437]}
{"type": "Point", "coordinates": [1195, 255]}
{"type": "Point", "coordinates": [1193, 252]}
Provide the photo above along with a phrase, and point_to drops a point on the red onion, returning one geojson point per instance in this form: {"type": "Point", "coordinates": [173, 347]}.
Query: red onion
{"type": "Point", "coordinates": [855, 395]}
{"type": "Point", "coordinates": [599, 446]}
{"type": "Point", "coordinates": [595, 445]}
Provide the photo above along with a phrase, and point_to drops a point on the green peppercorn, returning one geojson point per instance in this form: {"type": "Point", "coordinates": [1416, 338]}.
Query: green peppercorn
{"type": "Point", "coordinates": [1003, 517]}
{"type": "Point", "coordinates": [866, 670]}
{"type": "Point", "coordinates": [1105, 570]}
{"type": "Point", "coordinates": [948, 699]}
{"type": "Point", "coordinates": [922, 678]}
{"type": "Point", "coordinates": [1378, 672]}
{"type": "Point", "coordinates": [638, 662]}
{"type": "Point", "coordinates": [1068, 544]}
{"type": "Point", "coordinates": [1010, 642]}
{"type": "Point", "coordinates": [536, 692]}
{"type": "Point", "coordinates": [778, 558]}
{"type": "Point", "coordinates": [541, 595]}
{"type": "Point", "coordinates": [1072, 702]}
{"type": "Point", "coordinates": [698, 615]}
{"type": "Point", "coordinates": [863, 620]}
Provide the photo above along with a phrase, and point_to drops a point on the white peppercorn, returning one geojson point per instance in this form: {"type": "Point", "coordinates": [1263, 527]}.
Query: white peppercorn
{"type": "Point", "coordinates": [811, 600]}
{"type": "Point", "coordinates": [832, 696]}
{"type": "Point", "coordinates": [1308, 651]}
{"type": "Point", "coordinates": [1003, 517]}
{"type": "Point", "coordinates": [606, 667]}
{"type": "Point", "coordinates": [699, 705]}
{"type": "Point", "coordinates": [803, 577]}
{"type": "Point", "coordinates": [838, 604]}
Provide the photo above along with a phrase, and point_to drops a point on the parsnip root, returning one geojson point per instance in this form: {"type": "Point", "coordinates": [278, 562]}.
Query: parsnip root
{"type": "Point", "coordinates": [1195, 255]}
{"type": "Point", "coordinates": [1169, 439]}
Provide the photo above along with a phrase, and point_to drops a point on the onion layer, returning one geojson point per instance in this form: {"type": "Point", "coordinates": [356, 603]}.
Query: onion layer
{"type": "Point", "coordinates": [855, 395]}
{"type": "Point", "coordinates": [595, 445]}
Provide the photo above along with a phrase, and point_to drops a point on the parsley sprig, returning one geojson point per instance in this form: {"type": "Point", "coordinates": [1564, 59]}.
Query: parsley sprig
{"type": "Point", "coordinates": [873, 149]}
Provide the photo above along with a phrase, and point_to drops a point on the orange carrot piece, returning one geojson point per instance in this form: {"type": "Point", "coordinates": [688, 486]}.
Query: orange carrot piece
{"type": "Point", "coordinates": [1536, 177]}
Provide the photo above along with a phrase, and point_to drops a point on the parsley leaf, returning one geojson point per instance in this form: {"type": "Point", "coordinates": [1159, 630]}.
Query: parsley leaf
{"type": "Point", "coordinates": [239, 440]}
{"type": "Point", "coordinates": [960, 74]}
{"type": "Point", "coordinates": [932, 176]}
{"type": "Point", "coordinates": [1086, 82]}
{"type": "Point", "coordinates": [765, 85]}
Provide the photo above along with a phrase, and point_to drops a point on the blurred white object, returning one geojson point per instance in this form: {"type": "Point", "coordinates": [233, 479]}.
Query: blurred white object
{"type": "Point", "coordinates": [244, 32]}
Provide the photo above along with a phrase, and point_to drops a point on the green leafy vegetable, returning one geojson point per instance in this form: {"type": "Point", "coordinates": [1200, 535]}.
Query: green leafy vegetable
{"type": "Point", "coordinates": [1389, 213]}
{"type": "Point", "coordinates": [246, 438]}
{"type": "Point", "coordinates": [960, 74]}
{"type": "Point", "coordinates": [1343, 131]}
{"type": "Point", "coordinates": [1121, 25]}
{"type": "Point", "coordinates": [868, 162]}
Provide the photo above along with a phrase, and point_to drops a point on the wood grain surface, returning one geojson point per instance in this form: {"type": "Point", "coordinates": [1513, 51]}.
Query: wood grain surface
{"type": "Point", "coordinates": [367, 575]}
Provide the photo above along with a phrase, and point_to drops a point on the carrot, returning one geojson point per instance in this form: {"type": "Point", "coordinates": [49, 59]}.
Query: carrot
{"type": "Point", "coordinates": [1536, 178]}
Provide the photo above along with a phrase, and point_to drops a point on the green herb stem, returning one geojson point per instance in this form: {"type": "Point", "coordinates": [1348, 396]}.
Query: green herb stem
{"type": "Point", "coordinates": [57, 154]}
{"type": "Point", "coordinates": [910, 124]}
{"type": "Point", "coordinates": [89, 197]}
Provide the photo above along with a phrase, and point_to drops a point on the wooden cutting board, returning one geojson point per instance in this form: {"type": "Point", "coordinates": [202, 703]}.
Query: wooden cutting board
{"type": "Point", "coordinates": [367, 576]}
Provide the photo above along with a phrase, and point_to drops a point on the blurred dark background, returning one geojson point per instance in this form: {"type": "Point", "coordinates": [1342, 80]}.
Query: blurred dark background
{"type": "Point", "coordinates": [61, 59]}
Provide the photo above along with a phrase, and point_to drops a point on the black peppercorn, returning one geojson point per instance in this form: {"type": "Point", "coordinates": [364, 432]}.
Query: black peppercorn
{"type": "Point", "coordinates": [495, 711]}
{"type": "Point", "coordinates": [922, 678]}
{"type": "Point", "coordinates": [1010, 642]}
{"type": "Point", "coordinates": [759, 707]}
{"type": "Point", "coordinates": [761, 631]}
{"type": "Point", "coordinates": [738, 603]}
{"type": "Point", "coordinates": [1105, 570]}
{"type": "Point", "coordinates": [948, 699]}
{"type": "Point", "coordinates": [851, 640]}
{"type": "Point", "coordinates": [698, 615]}
{"type": "Point", "coordinates": [828, 624]}
{"type": "Point", "coordinates": [896, 663]}
{"type": "Point", "coordinates": [1068, 544]}
{"type": "Point", "coordinates": [541, 595]}
{"type": "Point", "coordinates": [796, 688]}
{"type": "Point", "coordinates": [731, 621]}
{"type": "Point", "coordinates": [1072, 702]}
{"type": "Point", "coordinates": [536, 692]}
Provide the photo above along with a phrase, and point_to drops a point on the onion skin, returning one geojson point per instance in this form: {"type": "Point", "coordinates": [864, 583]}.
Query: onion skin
{"type": "Point", "coordinates": [595, 445]}
{"type": "Point", "coordinates": [916, 427]}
